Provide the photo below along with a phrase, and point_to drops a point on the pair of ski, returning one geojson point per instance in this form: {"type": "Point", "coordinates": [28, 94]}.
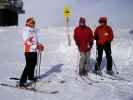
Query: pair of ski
{"type": "Point", "coordinates": [100, 79]}
{"type": "Point", "coordinates": [115, 77]}
{"type": "Point", "coordinates": [87, 80]}
{"type": "Point", "coordinates": [28, 87]}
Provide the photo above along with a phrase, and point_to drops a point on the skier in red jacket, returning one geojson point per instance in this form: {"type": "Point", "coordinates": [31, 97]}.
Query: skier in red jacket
{"type": "Point", "coordinates": [103, 36]}
{"type": "Point", "coordinates": [83, 37]}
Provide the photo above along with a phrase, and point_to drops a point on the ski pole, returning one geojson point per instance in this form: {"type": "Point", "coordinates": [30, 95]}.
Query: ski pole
{"type": "Point", "coordinates": [98, 65]}
{"type": "Point", "coordinates": [115, 67]}
{"type": "Point", "coordinates": [77, 66]}
{"type": "Point", "coordinates": [40, 58]}
{"type": "Point", "coordinates": [36, 71]}
{"type": "Point", "coordinates": [36, 74]}
{"type": "Point", "coordinates": [38, 67]}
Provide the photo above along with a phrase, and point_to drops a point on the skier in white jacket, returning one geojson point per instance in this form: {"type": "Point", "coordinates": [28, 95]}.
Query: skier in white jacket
{"type": "Point", "coordinates": [31, 46]}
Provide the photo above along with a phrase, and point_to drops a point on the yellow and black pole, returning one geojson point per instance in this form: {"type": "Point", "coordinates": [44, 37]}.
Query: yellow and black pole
{"type": "Point", "coordinates": [67, 14]}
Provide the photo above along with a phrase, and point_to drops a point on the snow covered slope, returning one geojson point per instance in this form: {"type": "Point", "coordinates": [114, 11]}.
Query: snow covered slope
{"type": "Point", "coordinates": [59, 62]}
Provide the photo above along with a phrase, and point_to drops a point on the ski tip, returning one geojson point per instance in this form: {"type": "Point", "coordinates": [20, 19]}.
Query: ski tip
{"type": "Point", "coordinates": [90, 83]}
{"type": "Point", "coordinates": [13, 78]}
{"type": "Point", "coordinates": [54, 92]}
{"type": "Point", "coordinates": [2, 84]}
{"type": "Point", "coordinates": [49, 81]}
{"type": "Point", "coordinates": [62, 81]}
{"type": "Point", "coordinates": [102, 79]}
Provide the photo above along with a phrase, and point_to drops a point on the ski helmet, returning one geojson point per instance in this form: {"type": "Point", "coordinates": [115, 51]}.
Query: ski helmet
{"type": "Point", "coordinates": [82, 21]}
{"type": "Point", "coordinates": [103, 19]}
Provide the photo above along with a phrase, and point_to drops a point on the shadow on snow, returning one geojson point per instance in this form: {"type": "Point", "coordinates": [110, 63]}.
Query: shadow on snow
{"type": "Point", "coordinates": [55, 69]}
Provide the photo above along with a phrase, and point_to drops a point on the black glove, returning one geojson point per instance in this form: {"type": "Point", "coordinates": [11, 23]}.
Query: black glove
{"type": "Point", "coordinates": [96, 37]}
{"type": "Point", "coordinates": [90, 44]}
{"type": "Point", "coordinates": [108, 43]}
{"type": "Point", "coordinates": [78, 45]}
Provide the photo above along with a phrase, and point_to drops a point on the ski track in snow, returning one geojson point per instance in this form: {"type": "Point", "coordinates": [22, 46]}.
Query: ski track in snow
{"type": "Point", "coordinates": [59, 62]}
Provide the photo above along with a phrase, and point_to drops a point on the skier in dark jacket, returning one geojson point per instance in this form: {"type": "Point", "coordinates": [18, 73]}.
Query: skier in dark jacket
{"type": "Point", "coordinates": [103, 36]}
{"type": "Point", "coordinates": [83, 37]}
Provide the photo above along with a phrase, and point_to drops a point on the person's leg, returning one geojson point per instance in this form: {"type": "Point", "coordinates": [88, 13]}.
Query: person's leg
{"type": "Point", "coordinates": [33, 63]}
{"type": "Point", "coordinates": [81, 62]}
{"type": "Point", "coordinates": [107, 49]}
{"type": "Point", "coordinates": [24, 75]}
{"type": "Point", "coordinates": [99, 55]}
{"type": "Point", "coordinates": [87, 62]}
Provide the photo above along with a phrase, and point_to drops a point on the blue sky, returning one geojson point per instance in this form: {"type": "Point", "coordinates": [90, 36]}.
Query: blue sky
{"type": "Point", "coordinates": [50, 12]}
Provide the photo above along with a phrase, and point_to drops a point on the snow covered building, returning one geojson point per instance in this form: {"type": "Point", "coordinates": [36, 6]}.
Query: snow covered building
{"type": "Point", "coordinates": [9, 10]}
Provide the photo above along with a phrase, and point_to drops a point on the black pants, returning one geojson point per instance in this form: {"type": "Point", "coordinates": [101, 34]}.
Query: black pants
{"type": "Point", "coordinates": [31, 61]}
{"type": "Point", "coordinates": [107, 49]}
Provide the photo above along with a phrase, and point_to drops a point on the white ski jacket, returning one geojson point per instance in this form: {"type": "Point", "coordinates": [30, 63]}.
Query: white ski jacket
{"type": "Point", "coordinates": [30, 39]}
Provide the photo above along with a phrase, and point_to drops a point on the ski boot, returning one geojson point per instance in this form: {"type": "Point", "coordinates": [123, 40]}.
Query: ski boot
{"type": "Point", "coordinates": [21, 85]}
{"type": "Point", "coordinates": [83, 72]}
{"type": "Point", "coordinates": [34, 79]}
{"type": "Point", "coordinates": [97, 72]}
{"type": "Point", "coordinates": [110, 72]}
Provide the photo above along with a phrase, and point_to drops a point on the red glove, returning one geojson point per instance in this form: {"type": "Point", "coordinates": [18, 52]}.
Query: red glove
{"type": "Point", "coordinates": [40, 47]}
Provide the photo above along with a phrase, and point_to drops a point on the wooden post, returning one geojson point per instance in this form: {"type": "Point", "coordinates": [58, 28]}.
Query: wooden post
{"type": "Point", "coordinates": [67, 13]}
{"type": "Point", "coordinates": [67, 30]}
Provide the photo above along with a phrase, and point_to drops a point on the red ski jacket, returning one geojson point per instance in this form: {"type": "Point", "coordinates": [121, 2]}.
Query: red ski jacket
{"type": "Point", "coordinates": [103, 34]}
{"type": "Point", "coordinates": [83, 37]}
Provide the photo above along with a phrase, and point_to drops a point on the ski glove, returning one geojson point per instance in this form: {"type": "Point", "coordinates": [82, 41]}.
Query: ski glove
{"type": "Point", "coordinates": [96, 37]}
{"type": "Point", "coordinates": [78, 45]}
{"type": "Point", "coordinates": [40, 47]}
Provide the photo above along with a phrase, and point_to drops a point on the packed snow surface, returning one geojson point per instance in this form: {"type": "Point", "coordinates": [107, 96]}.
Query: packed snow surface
{"type": "Point", "coordinates": [59, 62]}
